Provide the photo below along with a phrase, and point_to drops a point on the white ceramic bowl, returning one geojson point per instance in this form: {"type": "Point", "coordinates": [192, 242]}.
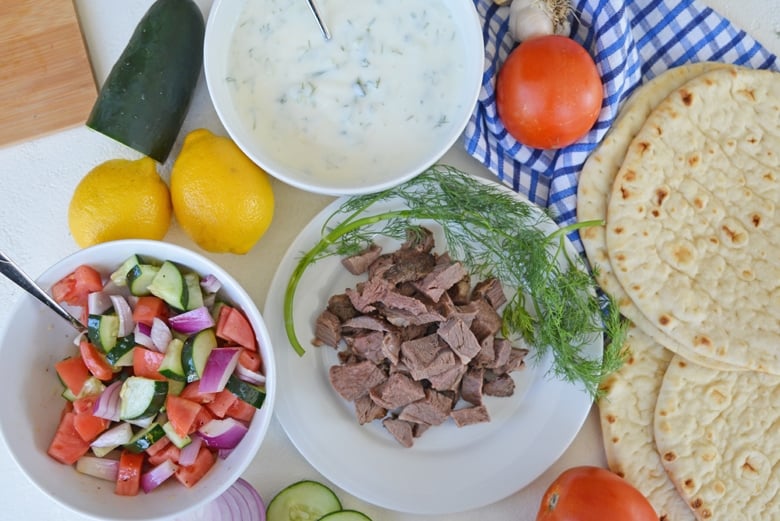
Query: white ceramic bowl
{"type": "Point", "coordinates": [34, 339]}
{"type": "Point", "coordinates": [360, 113]}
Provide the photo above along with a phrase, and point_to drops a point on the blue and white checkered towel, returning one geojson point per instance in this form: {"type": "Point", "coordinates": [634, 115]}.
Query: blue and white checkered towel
{"type": "Point", "coordinates": [631, 42]}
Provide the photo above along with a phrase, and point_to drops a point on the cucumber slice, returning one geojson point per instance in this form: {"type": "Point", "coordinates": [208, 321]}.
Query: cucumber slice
{"type": "Point", "coordinates": [175, 387]}
{"type": "Point", "coordinates": [251, 394]}
{"type": "Point", "coordinates": [92, 387]}
{"type": "Point", "coordinates": [194, 291]}
{"type": "Point", "coordinates": [121, 354]}
{"type": "Point", "coordinates": [171, 366]}
{"type": "Point", "coordinates": [102, 330]}
{"type": "Point", "coordinates": [169, 285]}
{"type": "Point", "coordinates": [145, 438]}
{"type": "Point", "coordinates": [119, 277]}
{"type": "Point", "coordinates": [141, 397]}
{"type": "Point", "coordinates": [178, 441]}
{"type": "Point", "coordinates": [139, 277]}
{"type": "Point", "coordinates": [302, 500]}
{"type": "Point", "coordinates": [195, 352]}
{"type": "Point", "coordinates": [345, 515]}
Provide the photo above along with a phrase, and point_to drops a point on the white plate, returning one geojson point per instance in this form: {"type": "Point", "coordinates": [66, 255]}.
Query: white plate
{"type": "Point", "coordinates": [448, 469]}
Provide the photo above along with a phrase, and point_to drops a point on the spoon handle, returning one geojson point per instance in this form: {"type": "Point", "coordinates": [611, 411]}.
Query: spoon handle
{"type": "Point", "coordinates": [15, 274]}
{"type": "Point", "coordinates": [316, 12]}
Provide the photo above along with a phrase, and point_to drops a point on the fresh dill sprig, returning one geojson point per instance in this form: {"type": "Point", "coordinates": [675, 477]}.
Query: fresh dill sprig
{"type": "Point", "coordinates": [556, 306]}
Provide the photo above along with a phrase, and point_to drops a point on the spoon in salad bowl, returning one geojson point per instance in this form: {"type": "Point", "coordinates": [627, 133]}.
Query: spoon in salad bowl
{"type": "Point", "coordinates": [316, 12]}
{"type": "Point", "coordinates": [16, 275]}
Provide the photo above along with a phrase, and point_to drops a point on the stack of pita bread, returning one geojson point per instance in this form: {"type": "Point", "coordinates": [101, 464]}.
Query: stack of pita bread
{"type": "Point", "coordinates": [688, 183]}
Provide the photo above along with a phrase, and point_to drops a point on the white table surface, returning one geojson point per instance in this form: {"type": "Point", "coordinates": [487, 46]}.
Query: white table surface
{"type": "Point", "coordinates": [37, 179]}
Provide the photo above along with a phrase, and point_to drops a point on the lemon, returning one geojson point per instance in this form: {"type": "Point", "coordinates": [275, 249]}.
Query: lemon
{"type": "Point", "coordinates": [120, 199]}
{"type": "Point", "coordinates": [221, 199]}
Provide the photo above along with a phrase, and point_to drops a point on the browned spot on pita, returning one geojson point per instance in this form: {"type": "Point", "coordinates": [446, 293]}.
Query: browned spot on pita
{"type": "Point", "coordinates": [747, 467]}
{"type": "Point", "coordinates": [694, 160]}
{"type": "Point", "coordinates": [683, 254]}
{"type": "Point", "coordinates": [611, 418]}
{"type": "Point", "coordinates": [670, 456]}
{"type": "Point", "coordinates": [682, 363]}
{"type": "Point", "coordinates": [756, 220]}
{"type": "Point", "coordinates": [752, 140]}
{"type": "Point", "coordinates": [620, 473]}
{"type": "Point", "coordinates": [714, 240]}
{"type": "Point", "coordinates": [705, 514]}
{"type": "Point", "coordinates": [719, 487]}
{"type": "Point", "coordinates": [663, 517]}
{"type": "Point", "coordinates": [658, 130]}
{"type": "Point", "coordinates": [702, 340]}
{"type": "Point", "coordinates": [630, 175]}
{"type": "Point", "coordinates": [689, 483]}
{"type": "Point", "coordinates": [717, 396]}
{"type": "Point", "coordinates": [734, 235]}
{"type": "Point", "coordinates": [687, 97]}
{"type": "Point", "coordinates": [625, 193]}
{"type": "Point", "coordinates": [588, 233]}
{"type": "Point", "coordinates": [631, 360]}
{"type": "Point", "coordinates": [769, 176]}
{"type": "Point", "coordinates": [642, 147]}
{"type": "Point", "coordinates": [618, 230]}
{"type": "Point", "coordinates": [661, 194]}
{"type": "Point", "coordinates": [696, 503]}
{"type": "Point", "coordinates": [748, 93]}
{"type": "Point", "coordinates": [698, 202]}
{"type": "Point", "coordinates": [615, 440]}
{"type": "Point", "coordinates": [655, 213]}
{"type": "Point", "coordinates": [664, 320]}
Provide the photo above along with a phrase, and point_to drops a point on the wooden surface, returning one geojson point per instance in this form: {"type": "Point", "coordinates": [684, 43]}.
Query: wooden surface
{"type": "Point", "coordinates": [46, 83]}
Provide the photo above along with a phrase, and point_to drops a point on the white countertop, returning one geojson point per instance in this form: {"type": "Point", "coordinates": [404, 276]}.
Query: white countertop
{"type": "Point", "coordinates": [38, 177]}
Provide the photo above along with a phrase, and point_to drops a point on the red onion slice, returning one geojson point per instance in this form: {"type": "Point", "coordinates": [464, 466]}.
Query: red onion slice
{"type": "Point", "coordinates": [125, 314]}
{"type": "Point", "coordinates": [221, 363]}
{"type": "Point", "coordinates": [107, 404]}
{"type": "Point", "coordinates": [189, 453]}
{"type": "Point", "coordinates": [193, 321]}
{"type": "Point", "coordinates": [250, 376]}
{"type": "Point", "coordinates": [161, 334]}
{"type": "Point", "coordinates": [114, 437]}
{"type": "Point", "coordinates": [223, 433]}
{"type": "Point", "coordinates": [142, 334]}
{"type": "Point", "coordinates": [103, 468]}
{"type": "Point", "coordinates": [155, 477]}
{"type": "Point", "coordinates": [98, 302]}
{"type": "Point", "coordinates": [238, 503]}
{"type": "Point", "coordinates": [210, 283]}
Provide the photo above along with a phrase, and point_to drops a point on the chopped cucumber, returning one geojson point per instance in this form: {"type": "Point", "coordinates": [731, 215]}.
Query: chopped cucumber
{"type": "Point", "coordinates": [178, 441]}
{"type": "Point", "coordinates": [102, 330]}
{"type": "Point", "coordinates": [196, 351]}
{"type": "Point", "coordinates": [303, 500]}
{"type": "Point", "coordinates": [121, 354]}
{"type": "Point", "coordinates": [169, 285]}
{"type": "Point", "coordinates": [141, 397]}
{"type": "Point", "coordinates": [140, 277]}
{"type": "Point", "coordinates": [251, 394]}
{"type": "Point", "coordinates": [119, 277]}
{"type": "Point", "coordinates": [194, 291]}
{"type": "Point", "coordinates": [145, 438]}
{"type": "Point", "coordinates": [171, 366]}
{"type": "Point", "coordinates": [175, 387]}
{"type": "Point", "coordinates": [345, 515]}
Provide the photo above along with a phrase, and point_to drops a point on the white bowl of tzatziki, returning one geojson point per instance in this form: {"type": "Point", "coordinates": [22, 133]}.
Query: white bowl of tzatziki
{"type": "Point", "coordinates": [374, 106]}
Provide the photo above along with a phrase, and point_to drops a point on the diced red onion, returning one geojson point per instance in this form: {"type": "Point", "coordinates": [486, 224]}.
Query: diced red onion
{"type": "Point", "coordinates": [220, 365]}
{"type": "Point", "coordinates": [161, 334]}
{"type": "Point", "coordinates": [114, 437]}
{"type": "Point", "coordinates": [240, 501]}
{"type": "Point", "coordinates": [223, 433]}
{"type": "Point", "coordinates": [125, 314]}
{"type": "Point", "coordinates": [210, 283]}
{"type": "Point", "coordinates": [224, 453]}
{"type": "Point", "coordinates": [107, 404]}
{"type": "Point", "coordinates": [142, 334]}
{"type": "Point", "coordinates": [156, 476]}
{"type": "Point", "coordinates": [103, 468]}
{"type": "Point", "coordinates": [98, 302]}
{"type": "Point", "coordinates": [77, 340]}
{"type": "Point", "coordinates": [247, 375]}
{"type": "Point", "coordinates": [189, 453]}
{"type": "Point", "coordinates": [192, 321]}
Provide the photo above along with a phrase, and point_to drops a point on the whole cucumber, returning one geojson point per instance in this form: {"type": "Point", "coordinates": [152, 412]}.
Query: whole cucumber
{"type": "Point", "coordinates": [146, 96]}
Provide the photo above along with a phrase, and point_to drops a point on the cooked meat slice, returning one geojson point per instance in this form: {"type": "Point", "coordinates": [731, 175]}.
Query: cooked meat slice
{"type": "Point", "coordinates": [460, 292]}
{"type": "Point", "coordinates": [380, 265]}
{"type": "Point", "coordinates": [442, 278]}
{"type": "Point", "coordinates": [403, 318]}
{"type": "Point", "coordinates": [368, 293]}
{"type": "Point", "coordinates": [359, 263]}
{"type": "Point", "coordinates": [487, 353]}
{"type": "Point", "coordinates": [450, 379]}
{"type": "Point", "coordinates": [471, 385]}
{"type": "Point", "coordinates": [498, 385]}
{"type": "Point", "coordinates": [398, 390]}
{"type": "Point", "coordinates": [391, 346]}
{"type": "Point", "coordinates": [327, 329]}
{"type": "Point", "coordinates": [486, 320]}
{"type": "Point", "coordinates": [491, 290]}
{"type": "Point", "coordinates": [470, 415]}
{"type": "Point", "coordinates": [400, 429]}
{"type": "Point", "coordinates": [342, 307]}
{"type": "Point", "coordinates": [434, 409]}
{"type": "Point", "coordinates": [515, 361]}
{"type": "Point", "coordinates": [367, 345]}
{"type": "Point", "coordinates": [394, 300]}
{"type": "Point", "coordinates": [367, 410]}
{"type": "Point", "coordinates": [418, 429]}
{"type": "Point", "coordinates": [427, 356]}
{"type": "Point", "coordinates": [456, 333]}
{"type": "Point", "coordinates": [369, 322]}
{"type": "Point", "coordinates": [353, 380]}
{"type": "Point", "coordinates": [501, 348]}
{"type": "Point", "coordinates": [409, 265]}
{"type": "Point", "coordinates": [419, 239]}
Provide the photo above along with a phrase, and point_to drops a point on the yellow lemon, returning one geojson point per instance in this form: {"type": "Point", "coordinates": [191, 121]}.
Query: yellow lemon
{"type": "Point", "coordinates": [120, 199]}
{"type": "Point", "coordinates": [221, 199]}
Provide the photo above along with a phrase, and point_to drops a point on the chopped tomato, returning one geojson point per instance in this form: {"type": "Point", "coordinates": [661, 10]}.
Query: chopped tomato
{"type": "Point", "coordinates": [146, 363]}
{"type": "Point", "coordinates": [73, 373]}
{"type": "Point", "coordinates": [67, 446]}
{"type": "Point", "coordinates": [148, 308]}
{"type": "Point", "coordinates": [128, 480]}
{"type": "Point", "coordinates": [158, 445]}
{"type": "Point", "coordinates": [203, 417]}
{"type": "Point", "coordinates": [191, 474]}
{"type": "Point", "coordinates": [169, 452]}
{"type": "Point", "coordinates": [182, 414]}
{"type": "Point", "coordinates": [89, 426]}
{"type": "Point", "coordinates": [233, 326]}
{"type": "Point", "coordinates": [84, 404]}
{"type": "Point", "coordinates": [191, 392]}
{"type": "Point", "coordinates": [222, 402]}
{"type": "Point", "coordinates": [240, 410]}
{"type": "Point", "coordinates": [250, 359]}
{"type": "Point", "coordinates": [75, 287]}
{"type": "Point", "coordinates": [95, 361]}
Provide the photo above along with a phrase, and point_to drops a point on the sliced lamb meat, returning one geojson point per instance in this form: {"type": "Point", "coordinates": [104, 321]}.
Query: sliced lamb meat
{"type": "Point", "coordinates": [486, 320]}
{"type": "Point", "coordinates": [327, 329]}
{"type": "Point", "coordinates": [515, 361]}
{"type": "Point", "coordinates": [498, 385]}
{"type": "Point", "coordinates": [418, 429]}
{"type": "Point", "coordinates": [380, 265]}
{"type": "Point", "coordinates": [471, 385]}
{"type": "Point", "coordinates": [367, 345]}
{"type": "Point", "coordinates": [419, 239]}
{"type": "Point", "coordinates": [400, 429]}
{"type": "Point", "coordinates": [342, 307]}
{"type": "Point", "coordinates": [434, 409]}
{"type": "Point", "coordinates": [409, 265]}
{"type": "Point", "coordinates": [391, 346]}
{"type": "Point", "coordinates": [394, 300]}
{"type": "Point", "coordinates": [403, 318]}
{"type": "Point", "coordinates": [456, 333]}
{"type": "Point", "coordinates": [353, 380]}
{"type": "Point", "coordinates": [460, 292]}
{"type": "Point", "coordinates": [398, 390]}
{"type": "Point", "coordinates": [502, 348]}
{"type": "Point", "coordinates": [367, 410]}
{"type": "Point", "coordinates": [450, 379]}
{"type": "Point", "coordinates": [470, 415]}
{"type": "Point", "coordinates": [442, 278]}
{"type": "Point", "coordinates": [491, 290]}
{"type": "Point", "coordinates": [487, 353]}
{"type": "Point", "coordinates": [368, 293]}
{"type": "Point", "coordinates": [370, 322]}
{"type": "Point", "coordinates": [427, 356]}
{"type": "Point", "coordinates": [359, 263]}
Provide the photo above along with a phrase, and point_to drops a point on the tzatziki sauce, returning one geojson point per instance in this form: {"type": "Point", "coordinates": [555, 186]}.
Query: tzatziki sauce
{"type": "Point", "coordinates": [378, 95]}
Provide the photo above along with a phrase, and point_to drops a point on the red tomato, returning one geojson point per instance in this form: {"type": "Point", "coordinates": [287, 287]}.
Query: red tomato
{"type": "Point", "coordinates": [593, 494]}
{"type": "Point", "coordinates": [75, 287]}
{"type": "Point", "coordinates": [548, 92]}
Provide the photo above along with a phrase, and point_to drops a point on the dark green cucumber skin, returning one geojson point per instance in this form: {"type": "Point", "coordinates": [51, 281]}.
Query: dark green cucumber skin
{"type": "Point", "coordinates": [146, 96]}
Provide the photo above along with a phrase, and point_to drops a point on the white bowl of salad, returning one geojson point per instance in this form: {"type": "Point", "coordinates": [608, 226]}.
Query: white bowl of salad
{"type": "Point", "coordinates": [159, 405]}
{"type": "Point", "coordinates": [374, 105]}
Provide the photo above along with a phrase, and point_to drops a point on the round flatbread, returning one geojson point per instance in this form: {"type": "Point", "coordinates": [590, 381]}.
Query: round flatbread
{"type": "Point", "coordinates": [692, 234]}
{"type": "Point", "coordinates": [716, 432]}
{"type": "Point", "coordinates": [595, 183]}
{"type": "Point", "coordinates": [626, 410]}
